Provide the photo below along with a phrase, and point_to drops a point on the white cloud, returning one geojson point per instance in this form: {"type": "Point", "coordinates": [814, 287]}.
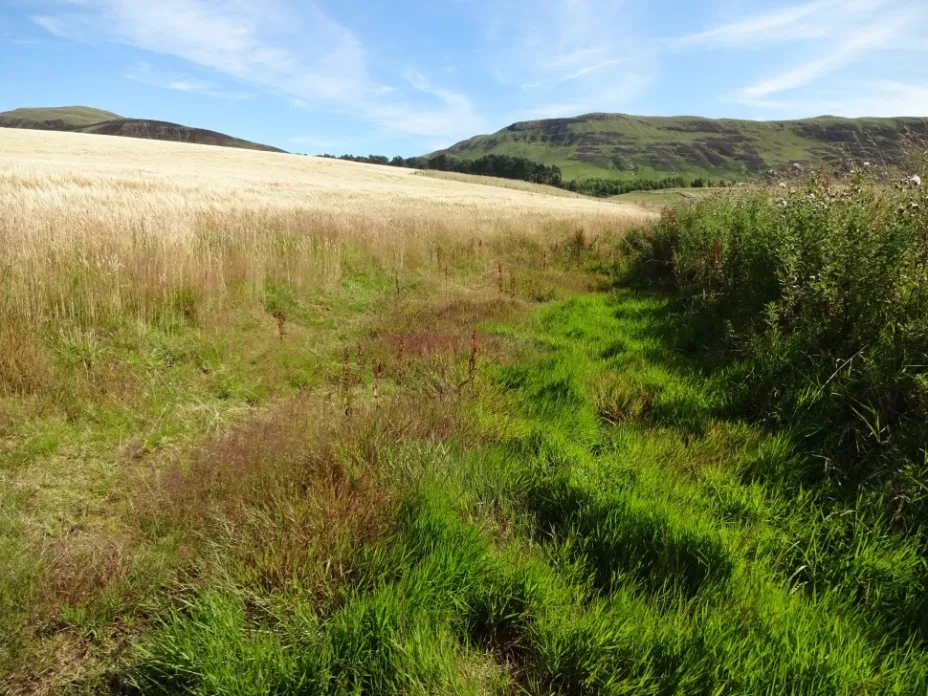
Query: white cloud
{"type": "Point", "coordinates": [856, 46]}
{"type": "Point", "coordinates": [297, 52]}
{"type": "Point", "coordinates": [784, 24]}
{"type": "Point", "coordinates": [567, 56]}
{"type": "Point", "coordinates": [431, 122]}
{"type": "Point", "coordinates": [879, 99]}
{"type": "Point", "coordinates": [546, 42]}
{"type": "Point", "coordinates": [259, 42]}
{"type": "Point", "coordinates": [144, 73]}
{"type": "Point", "coordinates": [826, 36]}
{"type": "Point", "coordinates": [811, 21]}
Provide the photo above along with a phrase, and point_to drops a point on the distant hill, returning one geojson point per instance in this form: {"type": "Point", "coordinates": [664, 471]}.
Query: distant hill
{"type": "Point", "coordinates": [621, 146]}
{"type": "Point", "coordinates": [162, 130]}
{"type": "Point", "coordinates": [56, 118]}
{"type": "Point", "coordinates": [83, 119]}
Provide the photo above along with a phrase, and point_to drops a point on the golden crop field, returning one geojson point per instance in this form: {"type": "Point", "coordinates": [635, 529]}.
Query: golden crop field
{"type": "Point", "coordinates": [128, 219]}
{"type": "Point", "coordinates": [174, 181]}
{"type": "Point", "coordinates": [514, 184]}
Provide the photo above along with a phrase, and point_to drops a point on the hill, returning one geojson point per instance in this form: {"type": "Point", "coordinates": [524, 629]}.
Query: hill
{"type": "Point", "coordinates": [83, 119]}
{"type": "Point", "coordinates": [55, 118]}
{"type": "Point", "coordinates": [622, 146]}
{"type": "Point", "coordinates": [174, 132]}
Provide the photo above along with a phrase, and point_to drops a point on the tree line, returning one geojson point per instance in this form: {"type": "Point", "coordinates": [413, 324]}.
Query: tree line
{"type": "Point", "coordinates": [613, 187]}
{"type": "Point", "coordinates": [508, 167]}
{"type": "Point", "coordinates": [502, 166]}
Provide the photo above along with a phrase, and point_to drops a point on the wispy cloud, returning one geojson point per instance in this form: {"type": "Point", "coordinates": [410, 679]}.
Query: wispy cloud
{"type": "Point", "coordinates": [864, 99]}
{"type": "Point", "coordinates": [261, 43]}
{"type": "Point", "coordinates": [787, 24]}
{"type": "Point", "coordinates": [810, 21]}
{"type": "Point", "coordinates": [552, 41]}
{"type": "Point", "coordinates": [825, 35]}
{"type": "Point", "coordinates": [852, 47]}
{"type": "Point", "coordinates": [431, 121]}
{"type": "Point", "coordinates": [567, 56]}
{"type": "Point", "coordinates": [295, 51]}
{"type": "Point", "coordinates": [144, 73]}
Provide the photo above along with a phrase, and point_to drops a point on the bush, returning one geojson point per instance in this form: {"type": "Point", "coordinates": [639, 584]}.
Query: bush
{"type": "Point", "coordinates": [819, 301]}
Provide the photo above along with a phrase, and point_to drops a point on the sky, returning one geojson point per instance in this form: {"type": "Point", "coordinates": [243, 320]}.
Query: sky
{"type": "Point", "coordinates": [408, 77]}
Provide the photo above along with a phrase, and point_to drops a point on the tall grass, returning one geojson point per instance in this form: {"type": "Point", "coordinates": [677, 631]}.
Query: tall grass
{"type": "Point", "coordinates": [142, 287]}
{"type": "Point", "coordinates": [567, 554]}
{"type": "Point", "coordinates": [411, 475]}
{"type": "Point", "coordinates": [96, 235]}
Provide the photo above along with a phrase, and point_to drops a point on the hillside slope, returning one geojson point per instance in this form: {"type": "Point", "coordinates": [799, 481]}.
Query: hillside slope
{"type": "Point", "coordinates": [63, 118]}
{"type": "Point", "coordinates": [623, 146]}
{"type": "Point", "coordinates": [83, 119]}
{"type": "Point", "coordinates": [163, 130]}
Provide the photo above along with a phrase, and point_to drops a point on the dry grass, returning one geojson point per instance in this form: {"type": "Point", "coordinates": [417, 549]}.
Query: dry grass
{"type": "Point", "coordinates": [275, 498]}
{"type": "Point", "coordinates": [94, 229]}
{"type": "Point", "coordinates": [513, 184]}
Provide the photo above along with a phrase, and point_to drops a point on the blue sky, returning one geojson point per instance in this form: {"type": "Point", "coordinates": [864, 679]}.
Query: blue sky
{"type": "Point", "coordinates": [409, 76]}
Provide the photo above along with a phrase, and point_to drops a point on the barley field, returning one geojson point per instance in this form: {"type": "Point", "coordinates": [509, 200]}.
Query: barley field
{"type": "Point", "coordinates": [514, 184]}
{"type": "Point", "coordinates": [140, 217]}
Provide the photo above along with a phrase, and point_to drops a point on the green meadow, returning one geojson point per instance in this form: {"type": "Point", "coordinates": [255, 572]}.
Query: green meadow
{"type": "Point", "coordinates": [559, 463]}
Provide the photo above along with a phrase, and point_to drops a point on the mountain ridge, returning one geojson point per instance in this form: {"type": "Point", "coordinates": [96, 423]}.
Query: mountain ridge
{"type": "Point", "coordinates": [625, 146]}
{"type": "Point", "coordinates": [83, 119]}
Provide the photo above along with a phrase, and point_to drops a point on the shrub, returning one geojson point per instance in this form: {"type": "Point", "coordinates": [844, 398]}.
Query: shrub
{"type": "Point", "coordinates": [819, 299]}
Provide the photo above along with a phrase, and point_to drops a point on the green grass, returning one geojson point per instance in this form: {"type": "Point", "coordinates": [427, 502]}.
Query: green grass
{"type": "Point", "coordinates": [88, 467]}
{"type": "Point", "coordinates": [580, 513]}
{"type": "Point", "coordinates": [603, 540]}
{"type": "Point", "coordinates": [636, 147]}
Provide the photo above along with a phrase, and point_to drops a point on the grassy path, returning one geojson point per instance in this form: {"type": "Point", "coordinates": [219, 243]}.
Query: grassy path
{"type": "Point", "coordinates": [576, 520]}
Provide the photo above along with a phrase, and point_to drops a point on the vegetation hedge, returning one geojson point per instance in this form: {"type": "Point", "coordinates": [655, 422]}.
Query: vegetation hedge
{"type": "Point", "coordinates": [816, 299]}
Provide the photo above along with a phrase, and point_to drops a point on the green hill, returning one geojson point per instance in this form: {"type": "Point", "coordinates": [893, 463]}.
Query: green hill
{"type": "Point", "coordinates": [622, 146]}
{"type": "Point", "coordinates": [83, 119]}
{"type": "Point", "coordinates": [55, 118]}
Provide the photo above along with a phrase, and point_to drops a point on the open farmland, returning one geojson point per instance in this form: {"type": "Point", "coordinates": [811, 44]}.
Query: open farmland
{"type": "Point", "coordinates": [154, 295]}
{"type": "Point", "coordinates": [94, 228]}
{"type": "Point", "coordinates": [515, 184]}
{"type": "Point", "coordinates": [283, 425]}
